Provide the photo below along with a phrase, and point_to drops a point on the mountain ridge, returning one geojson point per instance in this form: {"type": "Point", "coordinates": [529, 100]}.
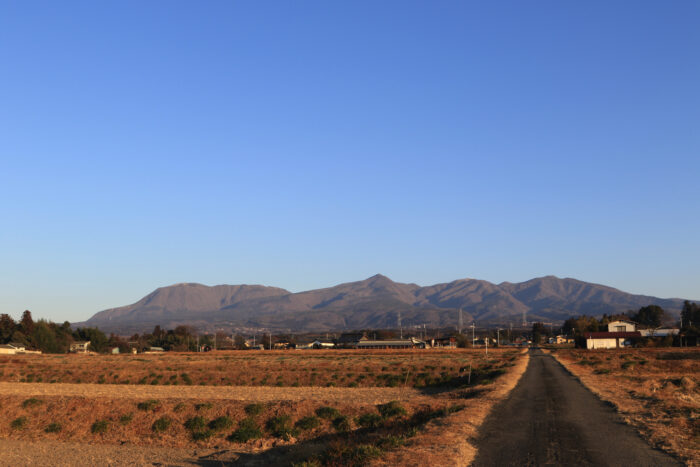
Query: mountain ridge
{"type": "Point", "coordinates": [375, 302]}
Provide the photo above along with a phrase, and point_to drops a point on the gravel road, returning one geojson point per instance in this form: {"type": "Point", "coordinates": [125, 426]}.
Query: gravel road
{"type": "Point", "coordinates": [550, 418]}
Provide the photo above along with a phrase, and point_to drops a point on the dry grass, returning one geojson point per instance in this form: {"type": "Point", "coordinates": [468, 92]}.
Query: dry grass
{"type": "Point", "coordinates": [658, 396]}
{"type": "Point", "coordinates": [304, 368]}
{"type": "Point", "coordinates": [431, 387]}
{"type": "Point", "coordinates": [448, 440]}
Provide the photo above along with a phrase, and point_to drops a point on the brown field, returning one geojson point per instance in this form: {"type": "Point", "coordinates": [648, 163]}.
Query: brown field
{"type": "Point", "coordinates": [324, 368]}
{"type": "Point", "coordinates": [428, 416]}
{"type": "Point", "coordinates": [655, 390]}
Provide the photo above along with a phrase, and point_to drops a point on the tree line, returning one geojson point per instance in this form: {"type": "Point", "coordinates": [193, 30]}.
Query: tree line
{"type": "Point", "coordinates": [47, 336]}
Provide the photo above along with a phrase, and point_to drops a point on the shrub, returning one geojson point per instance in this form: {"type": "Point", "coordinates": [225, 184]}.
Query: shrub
{"type": "Point", "coordinates": [202, 435]}
{"type": "Point", "coordinates": [342, 423]}
{"type": "Point", "coordinates": [196, 424]}
{"type": "Point", "coordinates": [32, 402]}
{"type": "Point", "coordinates": [369, 420]}
{"type": "Point", "coordinates": [203, 406]}
{"type": "Point", "coordinates": [362, 454]}
{"type": "Point", "coordinates": [329, 413]}
{"type": "Point", "coordinates": [18, 423]}
{"type": "Point", "coordinates": [53, 428]}
{"type": "Point", "coordinates": [391, 409]}
{"type": "Point", "coordinates": [150, 404]}
{"type": "Point", "coordinates": [221, 423]}
{"type": "Point", "coordinates": [180, 407]}
{"type": "Point", "coordinates": [161, 425]}
{"type": "Point", "coordinates": [391, 442]}
{"type": "Point", "coordinates": [126, 418]}
{"type": "Point", "coordinates": [601, 371]}
{"type": "Point", "coordinates": [248, 429]}
{"type": "Point", "coordinates": [626, 365]}
{"type": "Point", "coordinates": [100, 426]}
{"type": "Point", "coordinates": [308, 423]}
{"type": "Point", "coordinates": [254, 409]}
{"type": "Point", "coordinates": [281, 427]}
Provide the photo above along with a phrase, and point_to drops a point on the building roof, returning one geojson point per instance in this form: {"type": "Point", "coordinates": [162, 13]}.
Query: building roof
{"type": "Point", "coordinates": [622, 321]}
{"type": "Point", "coordinates": [611, 335]}
{"type": "Point", "coordinates": [351, 337]}
{"type": "Point", "coordinates": [387, 342]}
{"type": "Point", "coordinates": [7, 346]}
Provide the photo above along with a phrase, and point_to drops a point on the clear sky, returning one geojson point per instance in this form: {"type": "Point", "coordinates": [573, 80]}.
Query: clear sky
{"type": "Point", "coordinates": [303, 144]}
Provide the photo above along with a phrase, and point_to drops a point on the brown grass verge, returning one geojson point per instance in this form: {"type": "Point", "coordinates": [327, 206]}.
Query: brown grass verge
{"type": "Point", "coordinates": [657, 396]}
{"type": "Point", "coordinates": [449, 440]}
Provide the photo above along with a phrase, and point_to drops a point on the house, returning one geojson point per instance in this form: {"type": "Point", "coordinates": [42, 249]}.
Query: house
{"type": "Point", "coordinates": [115, 350]}
{"type": "Point", "coordinates": [80, 346]}
{"type": "Point", "coordinates": [11, 348]}
{"type": "Point", "coordinates": [622, 325]}
{"type": "Point", "coordinates": [610, 340]}
{"type": "Point", "coordinates": [560, 339]}
{"type": "Point", "coordinates": [154, 350]}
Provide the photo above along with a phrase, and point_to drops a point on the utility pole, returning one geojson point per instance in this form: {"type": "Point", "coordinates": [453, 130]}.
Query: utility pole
{"type": "Point", "coordinates": [472, 326]}
{"type": "Point", "coordinates": [487, 344]}
{"type": "Point", "coordinates": [400, 328]}
{"type": "Point", "coordinates": [270, 334]}
{"type": "Point", "coordinates": [498, 337]}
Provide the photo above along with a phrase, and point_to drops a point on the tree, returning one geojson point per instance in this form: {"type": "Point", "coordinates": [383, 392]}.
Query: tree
{"type": "Point", "coordinates": [650, 316]}
{"type": "Point", "coordinates": [27, 323]}
{"type": "Point", "coordinates": [7, 327]}
{"type": "Point", "coordinates": [239, 342]}
{"type": "Point", "coordinates": [690, 315]}
{"type": "Point", "coordinates": [538, 331]}
{"type": "Point", "coordinates": [98, 341]}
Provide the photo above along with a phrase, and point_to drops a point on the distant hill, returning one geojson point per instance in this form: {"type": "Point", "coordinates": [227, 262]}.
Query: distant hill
{"type": "Point", "coordinates": [372, 303]}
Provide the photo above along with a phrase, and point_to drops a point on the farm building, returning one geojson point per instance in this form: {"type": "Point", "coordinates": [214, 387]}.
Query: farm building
{"type": "Point", "coordinates": [80, 346]}
{"type": "Point", "coordinates": [411, 343]}
{"type": "Point", "coordinates": [610, 340]}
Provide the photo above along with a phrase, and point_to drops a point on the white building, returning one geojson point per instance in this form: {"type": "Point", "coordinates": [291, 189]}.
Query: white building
{"type": "Point", "coordinates": [622, 326]}
{"type": "Point", "coordinates": [610, 340]}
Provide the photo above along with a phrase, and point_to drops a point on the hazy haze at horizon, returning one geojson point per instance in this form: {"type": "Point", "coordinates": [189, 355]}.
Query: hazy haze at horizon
{"type": "Point", "coordinates": [308, 144]}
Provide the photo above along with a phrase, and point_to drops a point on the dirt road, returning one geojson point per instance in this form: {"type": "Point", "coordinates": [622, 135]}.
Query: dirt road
{"type": "Point", "coordinates": [239, 393]}
{"type": "Point", "coordinates": [550, 418]}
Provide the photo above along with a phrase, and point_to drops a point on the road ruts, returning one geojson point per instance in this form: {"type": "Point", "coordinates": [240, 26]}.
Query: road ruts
{"type": "Point", "coordinates": [550, 418]}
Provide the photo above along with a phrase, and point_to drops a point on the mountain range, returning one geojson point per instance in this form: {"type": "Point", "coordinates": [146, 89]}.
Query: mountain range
{"type": "Point", "coordinates": [376, 302]}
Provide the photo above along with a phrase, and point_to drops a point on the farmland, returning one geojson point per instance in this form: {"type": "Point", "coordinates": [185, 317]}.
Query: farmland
{"type": "Point", "coordinates": [325, 407]}
{"type": "Point", "coordinates": [655, 390]}
{"type": "Point", "coordinates": [282, 369]}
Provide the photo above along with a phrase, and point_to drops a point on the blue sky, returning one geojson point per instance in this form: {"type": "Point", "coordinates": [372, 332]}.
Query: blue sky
{"type": "Point", "coordinates": [304, 144]}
